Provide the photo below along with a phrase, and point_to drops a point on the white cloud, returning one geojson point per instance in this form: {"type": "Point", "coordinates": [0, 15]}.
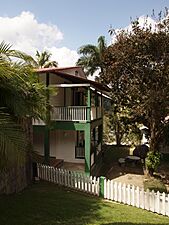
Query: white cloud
{"type": "Point", "coordinates": [64, 56]}
{"type": "Point", "coordinates": [144, 22]}
{"type": "Point", "coordinates": [25, 33]}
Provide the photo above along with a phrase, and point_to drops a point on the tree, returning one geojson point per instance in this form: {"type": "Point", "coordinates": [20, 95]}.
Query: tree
{"type": "Point", "coordinates": [137, 68]}
{"type": "Point", "coordinates": [92, 56]}
{"type": "Point", "coordinates": [21, 99]}
{"type": "Point", "coordinates": [43, 60]}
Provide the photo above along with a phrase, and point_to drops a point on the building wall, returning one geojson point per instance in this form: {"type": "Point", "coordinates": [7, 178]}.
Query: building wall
{"type": "Point", "coordinates": [62, 145]}
{"type": "Point", "coordinates": [61, 93]}
{"type": "Point", "coordinates": [76, 72]}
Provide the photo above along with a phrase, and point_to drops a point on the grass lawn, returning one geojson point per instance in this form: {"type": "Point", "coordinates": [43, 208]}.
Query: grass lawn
{"type": "Point", "coordinates": [48, 204]}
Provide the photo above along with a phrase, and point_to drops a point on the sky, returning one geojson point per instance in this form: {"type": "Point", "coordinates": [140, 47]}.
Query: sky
{"type": "Point", "coordinates": [62, 26]}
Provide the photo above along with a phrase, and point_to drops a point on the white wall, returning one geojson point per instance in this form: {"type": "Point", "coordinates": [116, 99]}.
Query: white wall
{"type": "Point", "coordinates": [79, 72]}
{"type": "Point", "coordinates": [63, 145]}
{"type": "Point", "coordinates": [58, 100]}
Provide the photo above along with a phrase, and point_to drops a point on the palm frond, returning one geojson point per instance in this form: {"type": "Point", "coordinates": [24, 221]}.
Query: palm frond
{"type": "Point", "coordinates": [12, 141]}
{"type": "Point", "coordinates": [87, 49]}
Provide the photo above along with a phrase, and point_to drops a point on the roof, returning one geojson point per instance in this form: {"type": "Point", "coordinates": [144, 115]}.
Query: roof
{"type": "Point", "coordinates": [57, 68]}
{"type": "Point", "coordinates": [74, 79]}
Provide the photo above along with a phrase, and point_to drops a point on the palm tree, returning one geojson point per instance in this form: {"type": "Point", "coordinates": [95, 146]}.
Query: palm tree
{"type": "Point", "coordinates": [43, 60]}
{"type": "Point", "coordinates": [92, 56]}
{"type": "Point", "coordinates": [21, 99]}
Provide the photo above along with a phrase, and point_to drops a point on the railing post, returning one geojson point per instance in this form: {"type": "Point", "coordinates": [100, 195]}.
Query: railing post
{"type": "Point", "coordinates": [88, 104]}
{"type": "Point", "coordinates": [101, 194]}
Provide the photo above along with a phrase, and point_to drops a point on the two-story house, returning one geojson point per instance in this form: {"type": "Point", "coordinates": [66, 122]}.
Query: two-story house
{"type": "Point", "coordinates": [76, 127]}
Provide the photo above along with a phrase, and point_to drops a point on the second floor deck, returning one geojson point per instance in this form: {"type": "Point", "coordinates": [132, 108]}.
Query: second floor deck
{"type": "Point", "coordinates": [73, 113]}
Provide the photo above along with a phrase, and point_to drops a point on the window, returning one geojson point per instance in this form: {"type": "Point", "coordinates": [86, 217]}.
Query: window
{"type": "Point", "coordinates": [80, 145]}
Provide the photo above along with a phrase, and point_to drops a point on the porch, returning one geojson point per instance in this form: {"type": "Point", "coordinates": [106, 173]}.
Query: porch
{"type": "Point", "coordinates": [60, 163]}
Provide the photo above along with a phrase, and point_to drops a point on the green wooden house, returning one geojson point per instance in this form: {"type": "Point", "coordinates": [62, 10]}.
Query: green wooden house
{"type": "Point", "coordinates": [76, 127]}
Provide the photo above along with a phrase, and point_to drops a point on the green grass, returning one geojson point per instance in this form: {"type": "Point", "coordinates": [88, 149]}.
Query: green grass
{"type": "Point", "coordinates": [48, 204]}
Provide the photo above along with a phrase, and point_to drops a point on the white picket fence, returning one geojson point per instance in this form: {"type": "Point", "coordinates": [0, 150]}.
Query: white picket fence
{"type": "Point", "coordinates": [70, 179]}
{"type": "Point", "coordinates": [122, 193]}
{"type": "Point", "coordinates": [131, 195]}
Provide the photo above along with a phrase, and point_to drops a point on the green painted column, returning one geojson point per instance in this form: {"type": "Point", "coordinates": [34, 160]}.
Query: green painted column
{"type": "Point", "coordinates": [96, 102]}
{"type": "Point", "coordinates": [87, 148]}
{"type": "Point", "coordinates": [47, 145]}
{"type": "Point", "coordinates": [102, 186]}
{"type": "Point", "coordinates": [88, 104]}
{"type": "Point", "coordinates": [47, 132]}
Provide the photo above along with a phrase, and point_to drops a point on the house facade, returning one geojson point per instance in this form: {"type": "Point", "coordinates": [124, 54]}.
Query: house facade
{"type": "Point", "coordinates": [75, 131]}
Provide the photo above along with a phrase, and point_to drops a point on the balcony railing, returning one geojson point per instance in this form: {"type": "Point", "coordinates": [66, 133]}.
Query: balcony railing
{"type": "Point", "coordinates": [69, 113]}
{"type": "Point", "coordinates": [96, 112]}
{"type": "Point", "coordinates": [73, 113]}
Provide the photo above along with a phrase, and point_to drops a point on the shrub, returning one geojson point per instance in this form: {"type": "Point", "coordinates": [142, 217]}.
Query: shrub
{"type": "Point", "coordinates": [155, 184]}
{"type": "Point", "coordinates": [153, 161]}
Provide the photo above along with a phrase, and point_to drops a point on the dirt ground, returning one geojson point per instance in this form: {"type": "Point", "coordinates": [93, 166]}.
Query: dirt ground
{"type": "Point", "coordinates": [133, 174]}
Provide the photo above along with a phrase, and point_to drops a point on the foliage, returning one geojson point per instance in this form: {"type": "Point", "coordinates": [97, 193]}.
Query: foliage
{"type": "Point", "coordinates": [153, 160]}
{"type": "Point", "coordinates": [125, 130]}
{"type": "Point", "coordinates": [137, 71]}
{"type": "Point", "coordinates": [108, 136]}
{"type": "Point", "coordinates": [154, 184]}
{"type": "Point", "coordinates": [43, 60]}
{"type": "Point", "coordinates": [92, 56]}
{"type": "Point", "coordinates": [21, 99]}
{"type": "Point", "coordinates": [49, 204]}
{"type": "Point", "coordinates": [119, 128]}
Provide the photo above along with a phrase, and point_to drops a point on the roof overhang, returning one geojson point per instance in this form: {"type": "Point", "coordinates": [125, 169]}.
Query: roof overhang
{"type": "Point", "coordinates": [74, 79]}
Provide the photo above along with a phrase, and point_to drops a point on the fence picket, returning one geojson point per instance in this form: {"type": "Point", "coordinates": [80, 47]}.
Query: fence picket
{"type": "Point", "coordinates": [137, 191]}
{"type": "Point", "coordinates": [167, 211]}
{"type": "Point", "coordinates": [124, 193]}
{"type": "Point", "coordinates": [152, 200]}
{"type": "Point", "coordinates": [119, 193]}
{"type": "Point", "coordinates": [112, 190]}
{"type": "Point", "coordinates": [128, 195]}
{"type": "Point", "coordinates": [131, 195]}
{"type": "Point", "coordinates": [108, 189]}
{"type": "Point", "coordinates": [158, 202]}
{"type": "Point", "coordinates": [115, 191]}
{"type": "Point", "coordinates": [163, 204]}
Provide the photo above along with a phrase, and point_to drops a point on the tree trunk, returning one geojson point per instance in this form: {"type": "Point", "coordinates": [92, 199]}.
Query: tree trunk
{"type": "Point", "coordinates": [28, 128]}
{"type": "Point", "coordinates": [153, 136]}
{"type": "Point", "coordinates": [118, 134]}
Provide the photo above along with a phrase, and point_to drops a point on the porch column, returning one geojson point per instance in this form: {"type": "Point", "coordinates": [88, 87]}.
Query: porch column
{"type": "Point", "coordinates": [96, 103]}
{"type": "Point", "coordinates": [88, 104]}
{"type": "Point", "coordinates": [47, 145]}
{"type": "Point", "coordinates": [47, 132]}
{"type": "Point", "coordinates": [87, 148]}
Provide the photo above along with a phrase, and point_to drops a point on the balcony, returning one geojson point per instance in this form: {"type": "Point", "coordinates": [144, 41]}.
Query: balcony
{"type": "Point", "coordinates": [73, 113]}
{"type": "Point", "coordinates": [76, 113]}
{"type": "Point", "coordinates": [69, 113]}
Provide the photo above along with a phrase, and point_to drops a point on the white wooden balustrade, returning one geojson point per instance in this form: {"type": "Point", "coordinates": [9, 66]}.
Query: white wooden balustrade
{"type": "Point", "coordinates": [69, 113]}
